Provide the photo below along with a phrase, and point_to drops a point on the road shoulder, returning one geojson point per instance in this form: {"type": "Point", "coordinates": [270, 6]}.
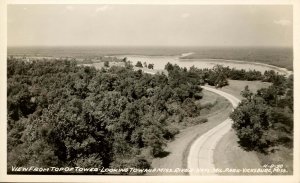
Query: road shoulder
{"type": "Point", "coordinates": [179, 148]}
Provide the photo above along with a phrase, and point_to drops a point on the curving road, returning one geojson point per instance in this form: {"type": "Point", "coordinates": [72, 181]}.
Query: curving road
{"type": "Point", "coordinates": [201, 152]}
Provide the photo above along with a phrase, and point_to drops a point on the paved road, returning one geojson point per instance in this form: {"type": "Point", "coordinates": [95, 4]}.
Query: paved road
{"type": "Point", "coordinates": [201, 152]}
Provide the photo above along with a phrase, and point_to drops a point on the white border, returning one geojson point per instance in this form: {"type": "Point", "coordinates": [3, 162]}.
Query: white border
{"type": "Point", "coordinates": [78, 178]}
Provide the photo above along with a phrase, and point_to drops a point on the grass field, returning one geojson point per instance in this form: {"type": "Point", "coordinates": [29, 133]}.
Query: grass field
{"type": "Point", "coordinates": [235, 87]}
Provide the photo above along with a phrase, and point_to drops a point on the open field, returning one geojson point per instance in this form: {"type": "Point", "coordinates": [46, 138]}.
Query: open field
{"type": "Point", "coordinates": [235, 87]}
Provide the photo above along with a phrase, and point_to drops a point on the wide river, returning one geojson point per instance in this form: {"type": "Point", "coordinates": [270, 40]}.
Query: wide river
{"type": "Point", "coordinates": [160, 62]}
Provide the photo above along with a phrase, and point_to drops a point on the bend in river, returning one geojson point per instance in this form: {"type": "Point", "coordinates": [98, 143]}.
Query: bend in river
{"type": "Point", "coordinates": [160, 62]}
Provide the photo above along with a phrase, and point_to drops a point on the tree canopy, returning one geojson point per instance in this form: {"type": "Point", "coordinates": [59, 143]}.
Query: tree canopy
{"type": "Point", "coordinates": [264, 120]}
{"type": "Point", "coordinates": [61, 114]}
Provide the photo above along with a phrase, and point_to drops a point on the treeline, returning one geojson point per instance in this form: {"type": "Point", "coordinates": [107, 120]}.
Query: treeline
{"type": "Point", "coordinates": [263, 121]}
{"type": "Point", "coordinates": [218, 76]}
{"type": "Point", "coordinates": [61, 114]}
{"type": "Point", "coordinates": [149, 66]}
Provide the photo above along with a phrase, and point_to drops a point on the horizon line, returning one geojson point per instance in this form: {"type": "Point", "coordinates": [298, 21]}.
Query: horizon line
{"type": "Point", "coordinates": [174, 46]}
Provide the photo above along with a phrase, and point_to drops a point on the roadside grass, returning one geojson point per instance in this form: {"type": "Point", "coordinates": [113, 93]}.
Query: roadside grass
{"type": "Point", "coordinates": [219, 111]}
{"type": "Point", "coordinates": [282, 156]}
{"type": "Point", "coordinates": [228, 151]}
{"type": "Point", "coordinates": [229, 155]}
{"type": "Point", "coordinates": [212, 103]}
{"type": "Point", "coordinates": [178, 149]}
{"type": "Point", "coordinates": [208, 98]}
{"type": "Point", "coordinates": [209, 105]}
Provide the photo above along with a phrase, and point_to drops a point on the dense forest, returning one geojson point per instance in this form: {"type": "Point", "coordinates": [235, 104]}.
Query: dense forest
{"type": "Point", "coordinates": [61, 114]}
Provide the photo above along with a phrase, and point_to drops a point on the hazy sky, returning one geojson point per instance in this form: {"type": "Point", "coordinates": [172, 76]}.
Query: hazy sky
{"type": "Point", "coordinates": [149, 25]}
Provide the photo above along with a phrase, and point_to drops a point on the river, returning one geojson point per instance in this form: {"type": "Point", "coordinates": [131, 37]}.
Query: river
{"type": "Point", "coordinates": [160, 62]}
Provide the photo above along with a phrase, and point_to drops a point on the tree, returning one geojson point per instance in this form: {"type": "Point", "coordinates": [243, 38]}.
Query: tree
{"type": "Point", "coordinates": [220, 76]}
{"type": "Point", "coordinates": [153, 138]}
{"type": "Point", "coordinates": [169, 67]}
{"type": "Point", "coordinates": [198, 95]}
{"type": "Point", "coordinates": [246, 93]}
{"type": "Point", "coordinates": [106, 63]}
{"type": "Point", "coordinates": [221, 80]}
{"type": "Point", "coordinates": [252, 123]}
{"type": "Point", "coordinates": [217, 76]}
{"type": "Point", "coordinates": [139, 64]}
{"type": "Point", "coordinates": [150, 66]}
{"type": "Point", "coordinates": [128, 65]}
{"type": "Point", "coordinates": [189, 107]}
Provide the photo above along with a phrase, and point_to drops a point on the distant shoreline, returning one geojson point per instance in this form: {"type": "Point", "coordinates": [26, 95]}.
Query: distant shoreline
{"type": "Point", "coordinates": [178, 57]}
{"type": "Point", "coordinates": [240, 62]}
{"type": "Point", "coordinates": [276, 58]}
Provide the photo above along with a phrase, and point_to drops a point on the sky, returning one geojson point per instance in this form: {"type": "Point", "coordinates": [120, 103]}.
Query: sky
{"type": "Point", "coordinates": [150, 25]}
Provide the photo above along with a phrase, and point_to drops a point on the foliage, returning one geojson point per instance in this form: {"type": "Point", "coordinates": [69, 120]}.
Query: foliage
{"type": "Point", "coordinates": [106, 64]}
{"type": "Point", "coordinates": [150, 66]}
{"type": "Point", "coordinates": [218, 76]}
{"type": "Point", "coordinates": [264, 120]}
{"type": "Point", "coordinates": [61, 114]}
{"type": "Point", "coordinates": [139, 64]}
{"type": "Point", "coordinates": [145, 64]}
